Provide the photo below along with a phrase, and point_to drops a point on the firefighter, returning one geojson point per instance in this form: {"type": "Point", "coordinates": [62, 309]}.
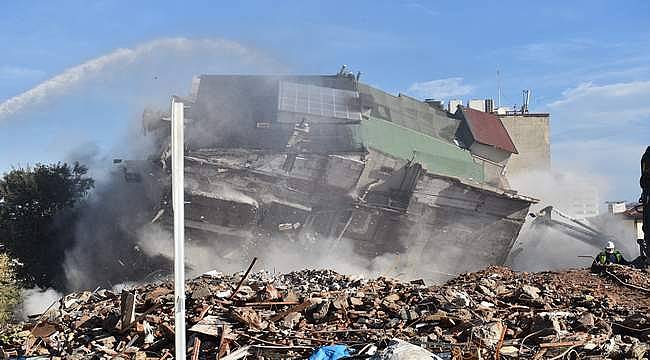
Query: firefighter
{"type": "Point", "coordinates": [609, 256]}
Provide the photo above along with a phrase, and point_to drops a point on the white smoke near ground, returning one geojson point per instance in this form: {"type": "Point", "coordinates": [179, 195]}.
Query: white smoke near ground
{"type": "Point", "coordinates": [299, 250]}
{"type": "Point", "coordinates": [58, 84]}
{"type": "Point", "coordinates": [296, 250]}
{"type": "Point", "coordinates": [558, 187]}
{"type": "Point", "coordinates": [281, 253]}
{"type": "Point", "coordinates": [426, 254]}
{"type": "Point", "coordinates": [37, 301]}
{"type": "Point", "coordinates": [544, 248]}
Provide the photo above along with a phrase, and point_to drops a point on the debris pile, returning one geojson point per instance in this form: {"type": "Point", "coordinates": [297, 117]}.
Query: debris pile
{"type": "Point", "coordinates": [495, 313]}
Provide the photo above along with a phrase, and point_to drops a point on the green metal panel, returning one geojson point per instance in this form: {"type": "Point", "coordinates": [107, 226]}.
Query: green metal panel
{"type": "Point", "coordinates": [435, 155]}
{"type": "Point", "coordinates": [409, 112]}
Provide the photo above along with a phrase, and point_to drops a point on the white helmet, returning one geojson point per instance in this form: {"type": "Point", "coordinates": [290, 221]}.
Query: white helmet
{"type": "Point", "coordinates": [610, 246]}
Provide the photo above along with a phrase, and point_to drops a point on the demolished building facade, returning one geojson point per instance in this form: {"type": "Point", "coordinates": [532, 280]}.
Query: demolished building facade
{"type": "Point", "coordinates": [328, 157]}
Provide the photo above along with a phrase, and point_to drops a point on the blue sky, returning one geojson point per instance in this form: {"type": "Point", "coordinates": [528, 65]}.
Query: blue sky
{"type": "Point", "coordinates": [587, 62]}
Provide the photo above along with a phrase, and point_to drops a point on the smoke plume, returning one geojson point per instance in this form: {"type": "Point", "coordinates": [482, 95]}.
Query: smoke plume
{"type": "Point", "coordinates": [541, 247]}
{"type": "Point", "coordinates": [120, 85]}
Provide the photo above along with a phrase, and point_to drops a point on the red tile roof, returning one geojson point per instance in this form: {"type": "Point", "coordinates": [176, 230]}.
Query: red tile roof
{"type": "Point", "coordinates": [634, 212]}
{"type": "Point", "coordinates": [488, 129]}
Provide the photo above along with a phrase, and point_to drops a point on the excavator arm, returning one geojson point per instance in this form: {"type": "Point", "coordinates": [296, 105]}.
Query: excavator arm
{"type": "Point", "coordinates": [579, 230]}
{"type": "Point", "coordinates": [570, 226]}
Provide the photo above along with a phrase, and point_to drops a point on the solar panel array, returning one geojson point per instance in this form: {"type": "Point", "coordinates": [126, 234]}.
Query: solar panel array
{"type": "Point", "coordinates": [318, 100]}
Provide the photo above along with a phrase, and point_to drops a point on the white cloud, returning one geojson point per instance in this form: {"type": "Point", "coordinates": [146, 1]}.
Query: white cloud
{"type": "Point", "coordinates": [440, 89]}
{"type": "Point", "coordinates": [612, 105]}
{"type": "Point", "coordinates": [616, 160]}
{"type": "Point", "coordinates": [8, 72]}
{"type": "Point", "coordinates": [418, 6]}
{"type": "Point", "coordinates": [603, 130]}
{"type": "Point", "coordinates": [552, 51]}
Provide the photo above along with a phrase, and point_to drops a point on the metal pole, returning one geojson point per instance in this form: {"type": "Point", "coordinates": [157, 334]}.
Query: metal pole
{"type": "Point", "coordinates": [178, 203]}
{"type": "Point", "coordinates": [499, 89]}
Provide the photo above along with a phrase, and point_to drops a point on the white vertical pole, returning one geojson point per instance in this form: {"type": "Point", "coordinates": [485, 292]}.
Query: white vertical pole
{"type": "Point", "coordinates": [178, 203]}
{"type": "Point", "coordinates": [499, 87]}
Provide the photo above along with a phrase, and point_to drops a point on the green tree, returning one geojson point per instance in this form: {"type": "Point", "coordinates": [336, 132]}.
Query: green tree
{"type": "Point", "coordinates": [37, 210]}
{"type": "Point", "coordinates": [9, 291]}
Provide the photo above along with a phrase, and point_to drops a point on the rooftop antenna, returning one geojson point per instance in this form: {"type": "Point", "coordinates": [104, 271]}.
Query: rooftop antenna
{"type": "Point", "coordinates": [526, 101]}
{"type": "Point", "coordinates": [499, 89]}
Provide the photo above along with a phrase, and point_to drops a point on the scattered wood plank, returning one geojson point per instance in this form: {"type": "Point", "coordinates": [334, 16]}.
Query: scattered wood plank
{"type": "Point", "coordinates": [500, 343]}
{"type": "Point", "coordinates": [298, 308]}
{"type": "Point", "coordinates": [196, 348]}
{"type": "Point", "coordinates": [205, 311]}
{"type": "Point", "coordinates": [223, 342]}
{"type": "Point", "coordinates": [250, 267]}
{"type": "Point", "coordinates": [127, 308]}
{"type": "Point", "coordinates": [237, 354]}
{"type": "Point", "coordinates": [272, 303]}
{"type": "Point", "coordinates": [209, 326]}
{"type": "Point", "coordinates": [561, 344]}
{"type": "Point", "coordinates": [140, 318]}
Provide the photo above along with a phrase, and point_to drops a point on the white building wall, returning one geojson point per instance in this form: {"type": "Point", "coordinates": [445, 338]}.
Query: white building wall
{"type": "Point", "coordinates": [584, 201]}
{"type": "Point", "coordinates": [453, 105]}
{"type": "Point", "coordinates": [639, 229]}
{"type": "Point", "coordinates": [477, 104]}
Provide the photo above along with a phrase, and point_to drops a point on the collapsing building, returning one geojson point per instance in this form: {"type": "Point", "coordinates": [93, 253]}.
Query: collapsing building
{"type": "Point", "coordinates": [328, 157]}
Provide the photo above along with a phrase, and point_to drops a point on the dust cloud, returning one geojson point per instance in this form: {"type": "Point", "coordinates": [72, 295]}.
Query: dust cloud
{"type": "Point", "coordinates": [278, 254]}
{"type": "Point", "coordinates": [37, 301]}
{"type": "Point", "coordinates": [115, 240]}
{"type": "Point", "coordinates": [540, 247]}
{"type": "Point", "coordinates": [118, 86]}
{"type": "Point", "coordinates": [290, 251]}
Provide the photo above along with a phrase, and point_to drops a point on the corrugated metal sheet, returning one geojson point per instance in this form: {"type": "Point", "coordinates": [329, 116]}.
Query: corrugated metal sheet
{"type": "Point", "coordinates": [242, 111]}
{"type": "Point", "coordinates": [436, 156]}
{"type": "Point", "coordinates": [408, 112]}
{"type": "Point", "coordinates": [488, 129]}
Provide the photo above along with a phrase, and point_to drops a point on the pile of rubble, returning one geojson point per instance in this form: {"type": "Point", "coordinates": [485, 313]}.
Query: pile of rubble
{"type": "Point", "coordinates": [495, 313]}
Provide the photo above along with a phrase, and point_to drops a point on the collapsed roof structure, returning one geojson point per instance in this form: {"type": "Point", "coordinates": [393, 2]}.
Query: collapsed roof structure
{"type": "Point", "coordinates": [330, 157]}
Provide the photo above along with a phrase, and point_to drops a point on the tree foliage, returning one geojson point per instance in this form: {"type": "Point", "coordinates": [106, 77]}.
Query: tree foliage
{"type": "Point", "coordinates": [9, 291]}
{"type": "Point", "coordinates": [37, 208]}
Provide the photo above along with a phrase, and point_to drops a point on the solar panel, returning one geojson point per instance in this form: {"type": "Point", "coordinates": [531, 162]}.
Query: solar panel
{"type": "Point", "coordinates": [318, 100]}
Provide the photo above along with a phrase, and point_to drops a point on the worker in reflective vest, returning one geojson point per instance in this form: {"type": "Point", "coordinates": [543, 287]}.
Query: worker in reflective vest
{"type": "Point", "coordinates": [610, 256]}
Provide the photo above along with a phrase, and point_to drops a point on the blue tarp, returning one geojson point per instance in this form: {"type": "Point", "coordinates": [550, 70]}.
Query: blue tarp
{"type": "Point", "coordinates": [332, 352]}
